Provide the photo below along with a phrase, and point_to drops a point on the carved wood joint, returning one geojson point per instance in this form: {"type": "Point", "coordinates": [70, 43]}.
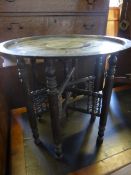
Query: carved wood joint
{"type": "Point", "coordinates": [50, 76]}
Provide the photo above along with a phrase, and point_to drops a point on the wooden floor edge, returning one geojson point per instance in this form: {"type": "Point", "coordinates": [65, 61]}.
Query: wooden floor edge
{"type": "Point", "coordinates": [119, 169]}
{"type": "Point", "coordinates": [18, 165]}
{"type": "Point", "coordinates": [125, 170]}
{"type": "Point", "coordinates": [107, 166]}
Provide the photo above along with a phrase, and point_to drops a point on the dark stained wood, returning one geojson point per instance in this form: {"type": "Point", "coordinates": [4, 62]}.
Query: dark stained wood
{"type": "Point", "coordinates": [124, 64]}
{"type": "Point", "coordinates": [55, 109]}
{"type": "Point", "coordinates": [26, 18]}
{"type": "Point", "coordinates": [4, 133]}
{"type": "Point", "coordinates": [107, 90]}
{"type": "Point", "coordinates": [13, 88]}
{"type": "Point", "coordinates": [54, 105]}
{"type": "Point", "coordinates": [11, 85]}
{"type": "Point", "coordinates": [125, 30]}
{"type": "Point", "coordinates": [1, 62]}
{"type": "Point", "coordinates": [113, 155]}
{"type": "Point", "coordinates": [124, 61]}
{"type": "Point", "coordinates": [53, 6]}
{"type": "Point", "coordinates": [3, 137]}
{"type": "Point", "coordinates": [15, 27]}
{"type": "Point", "coordinates": [122, 80]}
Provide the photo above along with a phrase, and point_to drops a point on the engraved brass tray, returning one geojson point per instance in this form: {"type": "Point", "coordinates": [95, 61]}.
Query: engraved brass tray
{"type": "Point", "coordinates": [64, 46]}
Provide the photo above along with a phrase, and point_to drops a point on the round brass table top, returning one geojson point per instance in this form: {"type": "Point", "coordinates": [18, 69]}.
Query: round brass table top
{"type": "Point", "coordinates": [64, 46]}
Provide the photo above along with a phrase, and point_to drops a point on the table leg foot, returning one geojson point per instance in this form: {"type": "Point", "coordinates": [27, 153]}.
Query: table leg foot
{"type": "Point", "coordinates": [99, 141]}
{"type": "Point", "coordinates": [33, 125]}
{"type": "Point", "coordinates": [92, 119]}
{"type": "Point", "coordinates": [37, 141]}
{"type": "Point", "coordinates": [100, 137]}
{"type": "Point", "coordinates": [58, 151]}
{"type": "Point", "coordinates": [53, 150]}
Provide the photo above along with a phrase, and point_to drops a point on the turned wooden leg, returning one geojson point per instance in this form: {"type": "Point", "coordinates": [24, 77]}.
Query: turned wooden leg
{"type": "Point", "coordinates": [106, 97]}
{"type": "Point", "coordinates": [54, 106]}
{"type": "Point", "coordinates": [98, 70]}
{"type": "Point", "coordinates": [33, 74]}
{"type": "Point", "coordinates": [24, 78]}
{"type": "Point", "coordinates": [32, 120]}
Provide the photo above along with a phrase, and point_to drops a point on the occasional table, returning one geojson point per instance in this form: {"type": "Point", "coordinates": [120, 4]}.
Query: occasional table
{"type": "Point", "coordinates": [69, 48]}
